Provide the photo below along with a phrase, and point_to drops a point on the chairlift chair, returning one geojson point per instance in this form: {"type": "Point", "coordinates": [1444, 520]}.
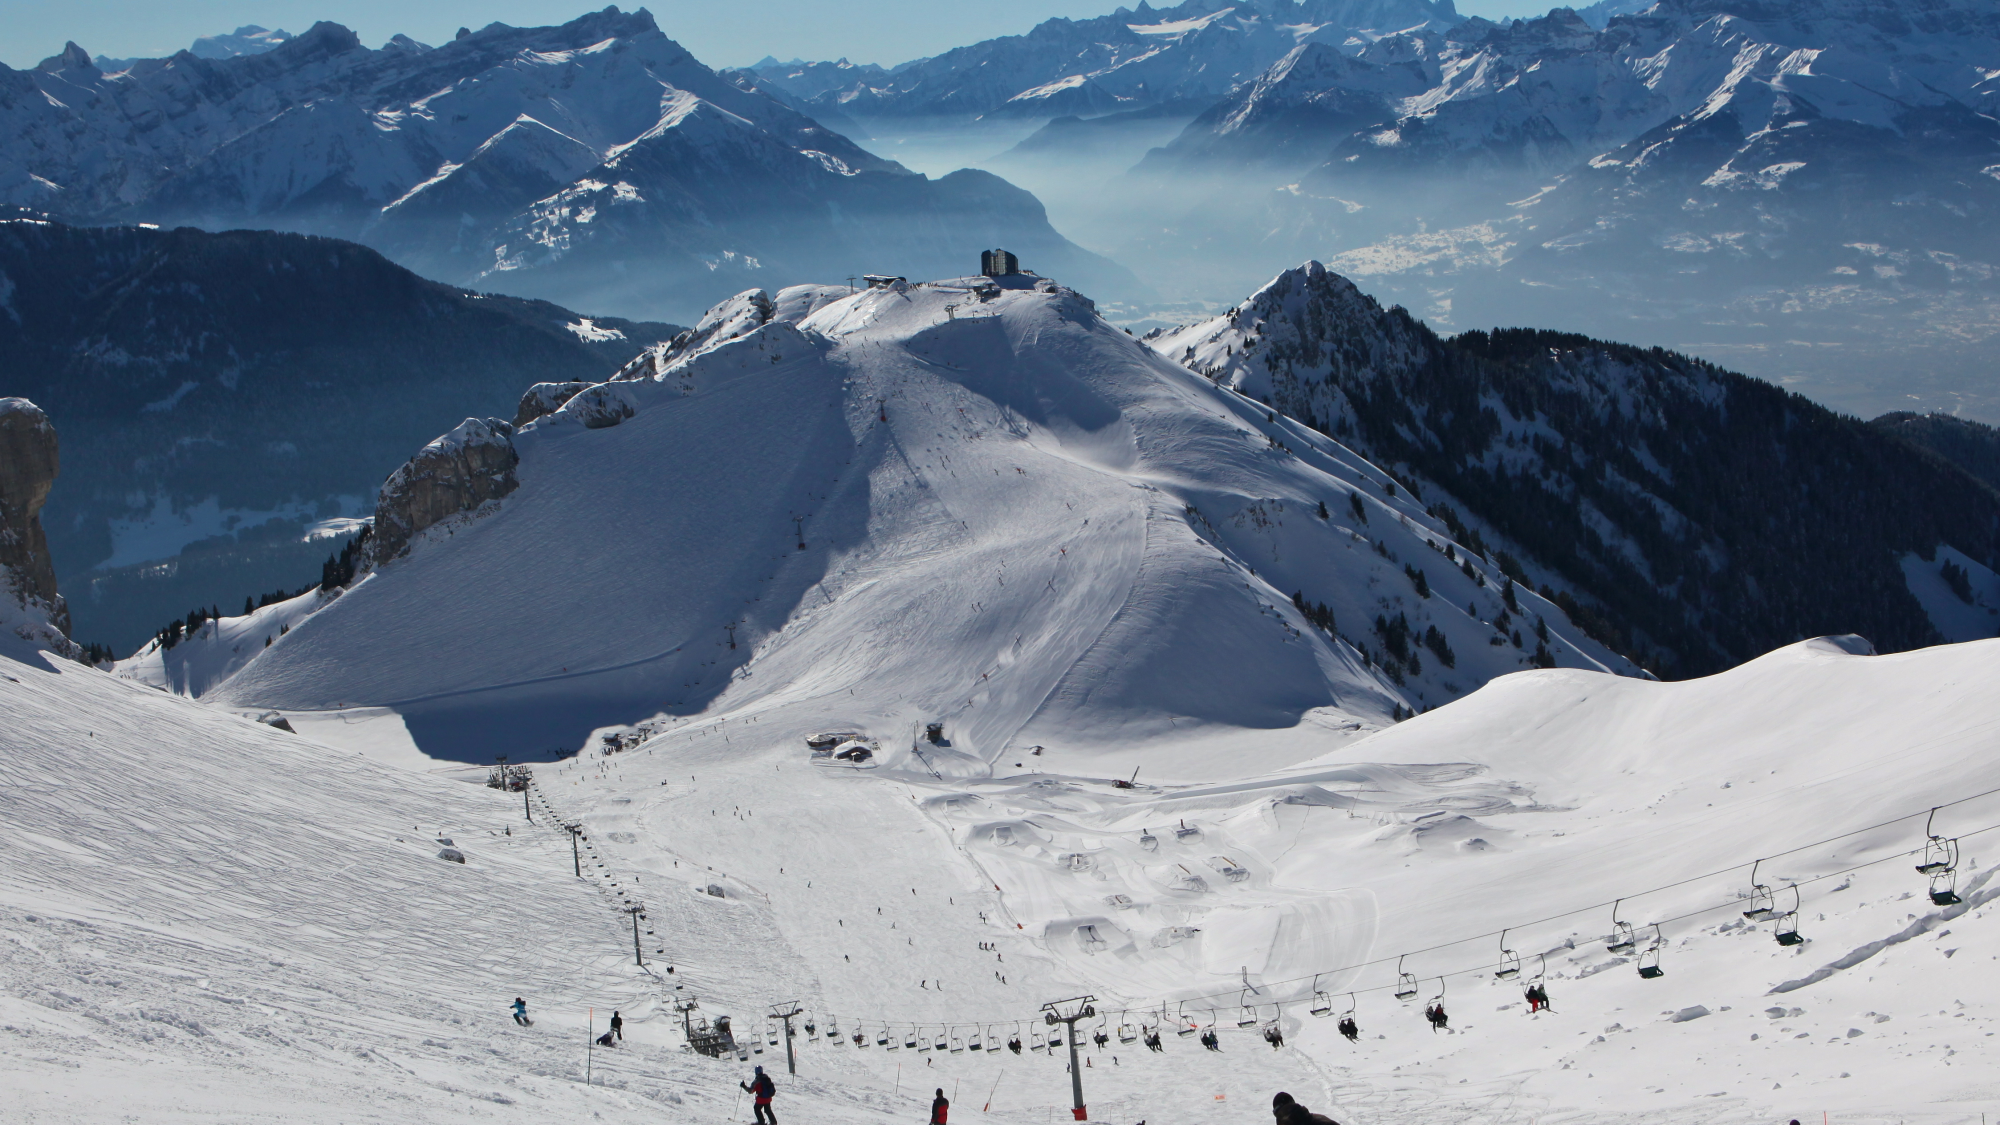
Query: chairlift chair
{"type": "Point", "coordinates": [1510, 961]}
{"type": "Point", "coordinates": [1762, 905]}
{"type": "Point", "coordinates": [1188, 1026]}
{"type": "Point", "coordinates": [943, 1042]}
{"type": "Point", "coordinates": [1787, 929]}
{"type": "Point", "coordinates": [861, 1039]}
{"type": "Point", "coordinates": [882, 1038]}
{"type": "Point", "coordinates": [1148, 842]}
{"type": "Point", "coordinates": [1246, 1014]}
{"type": "Point", "coordinates": [1621, 938]}
{"type": "Point", "coordinates": [1940, 854]}
{"type": "Point", "coordinates": [1128, 1032]}
{"type": "Point", "coordinates": [1348, 1026]}
{"type": "Point", "coordinates": [1649, 960]}
{"type": "Point", "coordinates": [973, 1043]}
{"type": "Point", "coordinates": [810, 1029]}
{"type": "Point", "coordinates": [1055, 1040]}
{"type": "Point", "coordinates": [910, 1039]}
{"type": "Point", "coordinates": [923, 1041]}
{"type": "Point", "coordinates": [958, 1043]}
{"type": "Point", "coordinates": [1322, 1004]}
{"type": "Point", "coordinates": [770, 1033]}
{"type": "Point", "coordinates": [1944, 889]}
{"type": "Point", "coordinates": [1406, 983]}
{"type": "Point", "coordinates": [833, 1028]}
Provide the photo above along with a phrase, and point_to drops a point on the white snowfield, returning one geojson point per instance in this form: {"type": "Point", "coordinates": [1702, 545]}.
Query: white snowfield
{"type": "Point", "coordinates": [205, 919]}
{"type": "Point", "coordinates": [209, 919]}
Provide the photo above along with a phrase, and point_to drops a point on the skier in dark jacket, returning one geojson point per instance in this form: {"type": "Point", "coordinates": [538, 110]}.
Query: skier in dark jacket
{"type": "Point", "coordinates": [1289, 1112]}
{"type": "Point", "coordinates": [762, 1090]}
{"type": "Point", "coordinates": [618, 1026]}
{"type": "Point", "coordinates": [521, 1013]}
{"type": "Point", "coordinates": [940, 1107]}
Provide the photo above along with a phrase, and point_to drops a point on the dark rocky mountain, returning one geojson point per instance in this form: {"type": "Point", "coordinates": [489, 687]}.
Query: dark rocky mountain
{"type": "Point", "coordinates": [1972, 446]}
{"type": "Point", "coordinates": [225, 398]}
{"type": "Point", "coordinates": [1688, 516]}
{"type": "Point", "coordinates": [597, 162]}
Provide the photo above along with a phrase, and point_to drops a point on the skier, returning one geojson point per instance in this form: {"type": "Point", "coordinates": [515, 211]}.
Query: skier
{"type": "Point", "coordinates": [521, 1013]}
{"type": "Point", "coordinates": [939, 1108]}
{"type": "Point", "coordinates": [761, 1090]}
{"type": "Point", "coordinates": [1289, 1112]}
{"type": "Point", "coordinates": [618, 1026]}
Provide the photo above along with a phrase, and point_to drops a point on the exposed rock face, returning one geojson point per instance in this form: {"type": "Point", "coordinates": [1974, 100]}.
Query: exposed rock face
{"type": "Point", "coordinates": [28, 466]}
{"type": "Point", "coordinates": [544, 399]}
{"type": "Point", "coordinates": [455, 473]}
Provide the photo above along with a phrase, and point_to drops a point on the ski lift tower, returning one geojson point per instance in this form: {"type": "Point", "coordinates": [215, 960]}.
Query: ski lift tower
{"type": "Point", "coordinates": [787, 1012]}
{"type": "Point", "coordinates": [1069, 1012]}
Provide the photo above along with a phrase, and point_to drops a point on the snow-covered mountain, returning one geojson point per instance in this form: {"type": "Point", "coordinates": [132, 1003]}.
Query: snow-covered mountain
{"type": "Point", "coordinates": [205, 915]}
{"type": "Point", "coordinates": [974, 497]}
{"type": "Point", "coordinates": [229, 402]}
{"type": "Point", "coordinates": [1135, 58]}
{"type": "Point", "coordinates": [595, 162]}
{"type": "Point", "coordinates": [246, 40]}
{"type": "Point", "coordinates": [1701, 516]}
{"type": "Point", "coordinates": [1803, 187]}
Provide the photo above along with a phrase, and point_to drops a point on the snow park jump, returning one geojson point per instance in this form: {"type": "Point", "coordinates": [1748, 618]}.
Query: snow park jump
{"type": "Point", "coordinates": [1258, 774]}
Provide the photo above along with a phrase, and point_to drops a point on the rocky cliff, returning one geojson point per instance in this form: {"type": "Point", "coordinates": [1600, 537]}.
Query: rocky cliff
{"type": "Point", "coordinates": [29, 602]}
{"type": "Point", "coordinates": [454, 473]}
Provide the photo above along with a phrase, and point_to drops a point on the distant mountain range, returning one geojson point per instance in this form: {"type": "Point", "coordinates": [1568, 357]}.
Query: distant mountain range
{"type": "Point", "coordinates": [228, 403]}
{"type": "Point", "coordinates": [1190, 54]}
{"type": "Point", "coordinates": [593, 163]}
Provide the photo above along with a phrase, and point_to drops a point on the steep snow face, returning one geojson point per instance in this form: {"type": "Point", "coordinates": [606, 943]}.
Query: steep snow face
{"type": "Point", "coordinates": [955, 501]}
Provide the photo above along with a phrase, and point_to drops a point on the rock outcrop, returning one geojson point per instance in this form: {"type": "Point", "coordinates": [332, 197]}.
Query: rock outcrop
{"type": "Point", "coordinates": [454, 473]}
{"type": "Point", "coordinates": [544, 399]}
{"type": "Point", "coordinates": [28, 467]}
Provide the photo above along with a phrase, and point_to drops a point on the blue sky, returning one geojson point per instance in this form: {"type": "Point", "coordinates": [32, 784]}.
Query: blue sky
{"type": "Point", "coordinates": [719, 32]}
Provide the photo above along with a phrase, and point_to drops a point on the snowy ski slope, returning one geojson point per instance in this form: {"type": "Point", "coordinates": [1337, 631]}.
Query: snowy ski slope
{"type": "Point", "coordinates": [1015, 517]}
{"type": "Point", "coordinates": [1278, 840]}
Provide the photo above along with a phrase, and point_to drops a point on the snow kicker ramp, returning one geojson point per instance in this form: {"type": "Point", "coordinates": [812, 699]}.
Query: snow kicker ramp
{"type": "Point", "coordinates": [951, 501]}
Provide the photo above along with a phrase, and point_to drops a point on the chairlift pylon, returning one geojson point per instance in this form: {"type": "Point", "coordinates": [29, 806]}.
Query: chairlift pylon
{"type": "Point", "coordinates": [1621, 939]}
{"type": "Point", "coordinates": [1510, 961]}
{"type": "Point", "coordinates": [1406, 983]}
{"type": "Point", "coordinates": [1649, 961]}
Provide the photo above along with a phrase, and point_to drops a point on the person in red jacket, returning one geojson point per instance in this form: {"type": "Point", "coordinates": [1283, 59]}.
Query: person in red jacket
{"type": "Point", "coordinates": [940, 1107]}
{"type": "Point", "coordinates": [761, 1090]}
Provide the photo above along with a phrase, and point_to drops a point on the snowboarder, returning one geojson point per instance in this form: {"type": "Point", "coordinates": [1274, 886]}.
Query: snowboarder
{"type": "Point", "coordinates": [521, 1013]}
{"type": "Point", "coordinates": [761, 1090]}
{"type": "Point", "coordinates": [618, 1026]}
{"type": "Point", "coordinates": [1289, 1112]}
{"type": "Point", "coordinates": [939, 1108]}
